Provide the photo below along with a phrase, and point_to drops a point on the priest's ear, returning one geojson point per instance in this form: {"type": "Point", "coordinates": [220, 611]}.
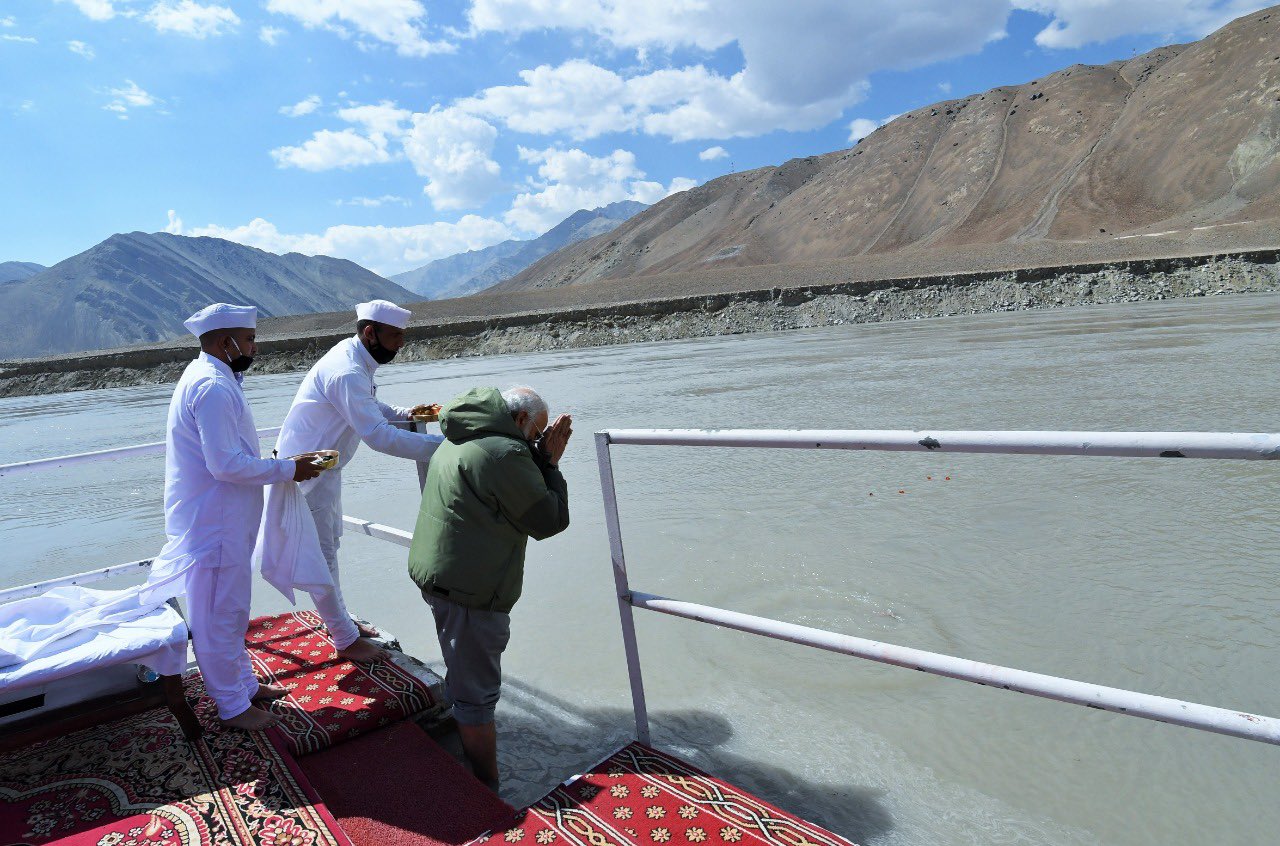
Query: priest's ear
{"type": "Point", "coordinates": [211, 341]}
{"type": "Point", "coordinates": [367, 336]}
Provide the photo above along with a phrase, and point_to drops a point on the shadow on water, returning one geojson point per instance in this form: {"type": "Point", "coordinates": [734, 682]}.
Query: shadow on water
{"type": "Point", "coordinates": [544, 740]}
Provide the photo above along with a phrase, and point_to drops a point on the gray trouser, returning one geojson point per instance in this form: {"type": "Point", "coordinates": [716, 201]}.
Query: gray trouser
{"type": "Point", "coordinates": [472, 642]}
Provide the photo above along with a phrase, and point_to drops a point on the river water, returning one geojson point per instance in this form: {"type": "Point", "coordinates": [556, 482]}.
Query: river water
{"type": "Point", "coordinates": [1158, 576]}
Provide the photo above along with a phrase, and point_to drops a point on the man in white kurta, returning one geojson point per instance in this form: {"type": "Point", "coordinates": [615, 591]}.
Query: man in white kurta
{"type": "Point", "coordinates": [337, 407]}
{"type": "Point", "coordinates": [214, 477]}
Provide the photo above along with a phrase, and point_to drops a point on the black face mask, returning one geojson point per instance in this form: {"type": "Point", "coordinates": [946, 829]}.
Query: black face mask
{"type": "Point", "coordinates": [380, 354]}
{"type": "Point", "coordinates": [240, 363]}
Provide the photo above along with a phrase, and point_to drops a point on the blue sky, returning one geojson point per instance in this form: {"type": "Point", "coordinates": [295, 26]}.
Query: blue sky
{"type": "Point", "coordinates": [395, 132]}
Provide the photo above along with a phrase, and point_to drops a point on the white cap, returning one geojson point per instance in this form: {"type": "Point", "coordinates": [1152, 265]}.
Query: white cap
{"type": "Point", "coordinates": [221, 316]}
{"type": "Point", "coordinates": [381, 311]}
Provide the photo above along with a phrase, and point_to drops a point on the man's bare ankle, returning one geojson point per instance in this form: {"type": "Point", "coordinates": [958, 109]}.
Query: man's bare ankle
{"type": "Point", "coordinates": [362, 649]}
{"type": "Point", "coordinates": [269, 693]}
{"type": "Point", "coordinates": [251, 719]}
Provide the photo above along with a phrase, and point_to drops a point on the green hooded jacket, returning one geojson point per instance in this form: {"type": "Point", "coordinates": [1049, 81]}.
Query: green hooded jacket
{"type": "Point", "coordinates": [487, 492]}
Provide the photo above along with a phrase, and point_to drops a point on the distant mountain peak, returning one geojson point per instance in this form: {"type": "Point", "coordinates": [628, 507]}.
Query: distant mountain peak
{"type": "Point", "coordinates": [473, 271]}
{"type": "Point", "coordinates": [138, 287]}
{"type": "Point", "coordinates": [16, 271]}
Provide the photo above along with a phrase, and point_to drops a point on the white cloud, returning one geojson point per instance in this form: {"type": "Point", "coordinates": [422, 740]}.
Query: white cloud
{"type": "Point", "coordinates": [577, 97]}
{"type": "Point", "coordinates": [8, 22]}
{"type": "Point", "coordinates": [327, 150]}
{"type": "Point", "coordinates": [452, 149]}
{"type": "Point", "coordinates": [21, 39]}
{"type": "Point", "coordinates": [383, 249]}
{"type": "Point", "coordinates": [81, 49]}
{"type": "Point", "coordinates": [944, 87]}
{"type": "Point", "coordinates": [270, 34]}
{"type": "Point", "coordinates": [862, 127]}
{"type": "Point", "coordinates": [712, 153]}
{"type": "Point", "coordinates": [175, 223]}
{"type": "Point", "coordinates": [366, 144]}
{"type": "Point", "coordinates": [399, 23]}
{"type": "Point", "coordinates": [569, 180]}
{"type": "Point", "coordinates": [626, 23]}
{"type": "Point", "coordinates": [385, 118]}
{"type": "Point", "coordinates": [586, 100]}
{"type": "Point", "coordinates": [374, 202]}
{"type": "Point", "coordinates": [186, 17]}
{"type": "Point", "coordinates": [301, 108]}
{"type": "Point", "coordinates": [1074, 23]}
{"type": "Point", "coordinates": [449, 147]}
{"type": "Point", "coordinates": [98, 10]}
{"type": "Point", "coordinates": [803, 64]}
{"type": "Point", "coordinates": [130, 96]}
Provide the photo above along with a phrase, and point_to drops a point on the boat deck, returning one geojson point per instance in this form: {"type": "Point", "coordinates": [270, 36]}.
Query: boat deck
{"type": "Point", "coordinates": [352, 763]}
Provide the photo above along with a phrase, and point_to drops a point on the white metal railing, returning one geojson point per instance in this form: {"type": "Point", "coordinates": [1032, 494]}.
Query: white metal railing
{"type": "Point", "coordinates": [45, 464]}
{"type": "Point", "coordinates": [1239, 446]}
{"type": "Point", "coordinates": [375, 530]}
{"type": "Point", "coordinates": [133, 568]}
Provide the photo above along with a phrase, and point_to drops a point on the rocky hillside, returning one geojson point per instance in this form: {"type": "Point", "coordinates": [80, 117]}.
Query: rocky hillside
{"type": "Point", "coordinates": [474, 271]}
{"type": "Point", "coordinates": [1185, 137]}
{"type": "Point", "coordinates": [137, 288]}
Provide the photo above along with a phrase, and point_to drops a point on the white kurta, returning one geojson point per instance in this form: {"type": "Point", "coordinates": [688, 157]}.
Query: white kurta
{"type": "Point", "coordinates": [213, 483]}
{"type": "Point", "coordinates": [337, 407]}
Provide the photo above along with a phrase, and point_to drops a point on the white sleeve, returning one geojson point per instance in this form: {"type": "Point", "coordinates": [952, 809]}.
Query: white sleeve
{"type": "Point", "coordinates": [393, 412]}
{"type": "Point", "coordinates": [352, 394]}
{"type": "Point", "coordinates": [217, 414]}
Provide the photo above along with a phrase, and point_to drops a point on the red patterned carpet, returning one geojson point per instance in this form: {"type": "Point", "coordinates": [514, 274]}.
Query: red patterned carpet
{"type": "Point", "coordinates": [640, 796]}
{"type": "Point", "coordinates": [330, 700]}
{"type": "Point", "coordinates": [417, 795]}
{"type": "Point", "coordinates": [137, 782]}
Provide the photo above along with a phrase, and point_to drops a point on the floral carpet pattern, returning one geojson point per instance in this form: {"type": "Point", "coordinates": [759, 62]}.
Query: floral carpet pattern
{"type": "Point", "coordinates": [640, 797]}
{"type": "Point", "coordinates": [137, 782]}
{"type": "Point", "coordinates": [330, 699]}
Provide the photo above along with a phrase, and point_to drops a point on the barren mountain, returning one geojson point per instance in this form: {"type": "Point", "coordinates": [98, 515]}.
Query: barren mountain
{"type": "Point", "coordinates": [136, 288]}
{"type": "Point", "coordinates": [470, 272]}
{"type": "Point", "coordinates": [1185, 136]}
{"type": "Point", "coordinates": [13, 271]}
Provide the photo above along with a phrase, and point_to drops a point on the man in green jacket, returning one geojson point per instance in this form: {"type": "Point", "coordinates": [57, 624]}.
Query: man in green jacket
{"type": "Point", "coordinates": [492, 485]}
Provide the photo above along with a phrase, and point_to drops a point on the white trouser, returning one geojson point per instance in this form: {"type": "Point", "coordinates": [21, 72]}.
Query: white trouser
{"type": "Point", "coordinates": [218, 608]}
{"type": "Point", "coordinates": [325, 501]}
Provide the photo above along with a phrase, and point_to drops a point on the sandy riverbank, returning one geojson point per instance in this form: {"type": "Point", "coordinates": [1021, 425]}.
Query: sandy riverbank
{"type": "Point", "coordinates": [761, 310]}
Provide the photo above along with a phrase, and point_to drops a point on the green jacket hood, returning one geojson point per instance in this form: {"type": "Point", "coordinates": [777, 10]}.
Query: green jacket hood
{"type": "Point", "coordinates": [478, 412]}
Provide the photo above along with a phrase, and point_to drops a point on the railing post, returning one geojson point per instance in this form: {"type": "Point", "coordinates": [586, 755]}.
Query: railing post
{"type": "Point", "coordinates": [622, 587]}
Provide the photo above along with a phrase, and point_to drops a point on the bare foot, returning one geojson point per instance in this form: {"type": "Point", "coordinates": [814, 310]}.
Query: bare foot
{"type": "Point", "coordinates": [366, 630]}
{"type": "Point", "coordinates": [363, 650]}
{"type": "Point", "coordinates": [269, 692]}
{"type": "Point", "coordinates": [251, 720]}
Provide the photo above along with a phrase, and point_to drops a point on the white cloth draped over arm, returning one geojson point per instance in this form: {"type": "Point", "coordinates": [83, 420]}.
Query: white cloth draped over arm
{"type": "Point", "coordinates": [288, 551]}
{"type": "Point", "coordinates": [217, 414]}
{"type": "Point", "coordinates": [351, 393]}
